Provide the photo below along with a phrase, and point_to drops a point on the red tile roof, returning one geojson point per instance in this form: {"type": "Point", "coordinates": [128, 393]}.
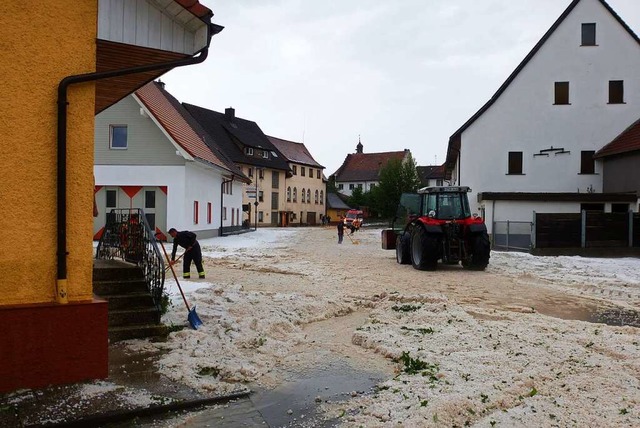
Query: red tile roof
{"type": "Point", "coordinates": [366, 166]}
{"type": "Point", "coordinates": [628, 141]}
{"type": "Point", "coordinates": [294, 152]}
{"type": "Point", "coordinates": [158, 102]}
{"type": "Point", "coordinates": [195, 8]}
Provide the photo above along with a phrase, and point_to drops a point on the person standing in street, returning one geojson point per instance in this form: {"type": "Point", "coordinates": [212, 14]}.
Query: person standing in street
{"type": "Point", "coordinates": [188, 241]}
{"type": "Point", "coordinates": [340, 229]}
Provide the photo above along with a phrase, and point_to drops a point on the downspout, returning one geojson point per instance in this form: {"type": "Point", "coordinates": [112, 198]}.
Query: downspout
{"type": "Point", "coordinates": [222, 199]}
{"type": "Point", "coordinates": [61, 283]}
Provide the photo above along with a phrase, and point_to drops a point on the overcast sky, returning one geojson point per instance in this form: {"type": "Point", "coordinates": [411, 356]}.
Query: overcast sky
{"type": "Point", "coordinates": [399, 74]}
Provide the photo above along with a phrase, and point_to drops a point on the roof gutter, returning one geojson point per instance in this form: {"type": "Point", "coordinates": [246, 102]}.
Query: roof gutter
{"type": "Point", "coordinates": [61, 283]}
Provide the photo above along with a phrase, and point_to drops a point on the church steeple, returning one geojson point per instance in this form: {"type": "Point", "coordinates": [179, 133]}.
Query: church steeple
{"type": "Point", "coordinates": [359, 146]}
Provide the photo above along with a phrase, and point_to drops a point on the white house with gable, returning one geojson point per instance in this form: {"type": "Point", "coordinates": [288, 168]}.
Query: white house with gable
{"type": "Point", "coordinates": [150, 154]}
{"type": "Point", "coordinates": [531, 146]}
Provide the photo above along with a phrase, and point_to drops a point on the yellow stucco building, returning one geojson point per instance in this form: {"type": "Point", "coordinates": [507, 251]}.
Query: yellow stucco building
{"type": "Point", "coordinates": [54, 331]}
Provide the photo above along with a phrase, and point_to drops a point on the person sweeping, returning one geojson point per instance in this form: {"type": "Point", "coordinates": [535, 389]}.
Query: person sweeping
{"type": "Point", "coordinates": [188, 241]}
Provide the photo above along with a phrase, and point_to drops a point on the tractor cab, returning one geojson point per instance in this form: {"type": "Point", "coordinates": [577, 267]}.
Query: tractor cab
{"type": "Point", "coordinates": [438, 225]}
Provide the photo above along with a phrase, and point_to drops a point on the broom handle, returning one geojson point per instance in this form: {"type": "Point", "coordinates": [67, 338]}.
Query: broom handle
{"type": "Point", "coordinates": [174, 275]}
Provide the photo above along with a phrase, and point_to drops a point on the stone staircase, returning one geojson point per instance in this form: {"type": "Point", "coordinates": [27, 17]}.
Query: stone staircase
{"type": "Point", "coordinates": [132, 314]}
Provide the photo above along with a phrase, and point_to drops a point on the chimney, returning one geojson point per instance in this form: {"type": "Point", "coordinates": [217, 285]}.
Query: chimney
{"type": "Point", "coordinates": [161, 83]}
{"type": "Point", "coordinates": [230, 113]}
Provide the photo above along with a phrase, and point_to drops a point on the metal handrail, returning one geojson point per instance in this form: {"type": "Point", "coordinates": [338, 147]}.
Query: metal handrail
{"type": "Point", "coordinates": [128, 236]}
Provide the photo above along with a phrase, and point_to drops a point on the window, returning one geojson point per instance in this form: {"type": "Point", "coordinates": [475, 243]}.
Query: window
{"type": "Point", "coordinates": [275, 179]}
{"type": "Point", "coordinates": [150, 199]}
{"type": "Point", "coordinates": [592, 207]}
{"type": "Point", "coordinates": [118, 137]}
{"type": "Point", "coordinates": [589, 34]}
{"type": "Point", "coordinates": [371, 186]}
{"type": "Point", "coordinates": [316, 197]}
{"type": "Point", "coordinates": [295, 194]}
{"type": "Point", "coordinates": [250, 170]}
{"type": "Point", "coordinates": [260, 216]}
{"type": "Point", "coordinates": [561, 93]}
{"type": "Point", "coordinates": [318, 174]}
{"type": "Point", "coordinates": [515, 163]}
{"type": "Point", "coordinates": [265, 154]}
{"type": "Point", "coordinates": [321, 197]}
{"type": "Point", "coordinates": [302, 171]}
{"type": "Point", "coordinates": [209, 212]}
{"type": "Point", "coordinates": [340, 186]}
{"type": "Point", "coordinates": [352, 186]}
{"type": "Point", "coordinates": [310, 172]}
{"type": "Point", "coordinates": [260, 173]}
{"type": "Point", "coordinates": [295, 169]}
{"type": "Point", "coordinates": [248, 151]}
{"type": "Point", "coordinates": [227, 187]}
{"type": "Point", "coordinates": [587, 163]}
{"type": "Point", "coordinates": [304, 194]}
{"type": "Point", "coordinates": [151, 220]}
{"type": "Point", "coordinates": [309, 195]}
{"type": "Point", "coordinates": [195, 212]}
{"type": "Point", "coordinates": [112, 198]}
{"type": "Point", "coordinates": [439, 182]}
{"type": "Point", "coordinates": [224, 213]}
{"type": "Point", "coordinates": [261, 196]}
{"type": "Point", "coordinates": [288, 194]}
{"type": "Point", "coordinates": [616, 91]}
{"type": "Point", "coordinates": [360, 186]}
{"type": "Point", "coordinates": [619, 208]}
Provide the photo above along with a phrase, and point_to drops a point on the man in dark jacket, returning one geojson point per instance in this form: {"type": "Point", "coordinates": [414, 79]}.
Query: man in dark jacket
{"type": "Point", "coordinates": [340, 229]}
{"type": "Point", "coordinates": [187, 240]}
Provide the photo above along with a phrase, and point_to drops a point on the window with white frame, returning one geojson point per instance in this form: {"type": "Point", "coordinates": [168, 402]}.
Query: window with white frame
{"type": "Point", "coordinates": [295, 194]}
{"type": "Point", "coordinates": [316, 196]}
{"type": "Point", "coordinates": [118, 137]}
{"type": "Point", "coordinates": [288, 194]}
{"type": "Point", "coordinates": [224, 213]}
{"type": "Point", "coordinates": [248, 151]}
{"type": "Point", "coordinates": [303, 196]}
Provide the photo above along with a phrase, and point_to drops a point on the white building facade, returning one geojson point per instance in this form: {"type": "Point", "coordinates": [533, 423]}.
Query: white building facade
{"type": "Point", "coordinates": [574, 93]}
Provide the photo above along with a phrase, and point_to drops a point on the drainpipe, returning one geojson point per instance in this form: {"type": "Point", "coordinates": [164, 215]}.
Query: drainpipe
{"type": "Point", "coordinates": [61, 283]}
{"type": "Point", "coordinates": [222, 199]}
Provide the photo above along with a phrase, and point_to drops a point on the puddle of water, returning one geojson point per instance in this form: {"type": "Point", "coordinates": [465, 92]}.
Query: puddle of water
{"type": "Point", "coordinates": [295, 403]}
{"type": "Point", "coordinates": [614, 316]}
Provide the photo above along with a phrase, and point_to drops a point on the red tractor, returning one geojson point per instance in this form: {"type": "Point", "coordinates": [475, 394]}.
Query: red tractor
{"type": "Point", "coordinates": [439, 226]}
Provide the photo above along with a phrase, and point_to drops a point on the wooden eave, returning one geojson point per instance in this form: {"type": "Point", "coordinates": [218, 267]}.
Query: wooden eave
{"type": "Point", "coordinates": [116, 56]}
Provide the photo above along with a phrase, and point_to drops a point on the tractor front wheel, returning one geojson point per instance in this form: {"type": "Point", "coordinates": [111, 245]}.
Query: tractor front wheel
{"type": "Point", "coordinates": [424, 249]}
{"type": "Point", "coordinates": [403, 253]}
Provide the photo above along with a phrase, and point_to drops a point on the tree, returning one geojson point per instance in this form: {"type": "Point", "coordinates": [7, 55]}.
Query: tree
{"type": "Point", "coordinates": [396, 178]}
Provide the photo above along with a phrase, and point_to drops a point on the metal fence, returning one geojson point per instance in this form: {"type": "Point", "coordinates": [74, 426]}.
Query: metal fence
{"type": "Point", "coordinates": [511, 235]}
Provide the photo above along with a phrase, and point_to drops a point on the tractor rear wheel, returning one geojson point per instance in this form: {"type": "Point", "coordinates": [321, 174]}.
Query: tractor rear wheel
{"type": "Point", "coordinates": [480, 252]}
{"type": "Point", "coordinates": [424, 249]}
{"type": "Point", "coordinates": [403, 251]}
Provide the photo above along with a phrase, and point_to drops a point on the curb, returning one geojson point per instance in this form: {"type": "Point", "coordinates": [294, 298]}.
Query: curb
{"type": "Point", "coordinates": [124, 415]}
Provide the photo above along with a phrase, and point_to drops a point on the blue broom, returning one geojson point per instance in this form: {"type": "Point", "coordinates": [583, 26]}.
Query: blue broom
{"type": "Point", "coordinates": [193, 317]}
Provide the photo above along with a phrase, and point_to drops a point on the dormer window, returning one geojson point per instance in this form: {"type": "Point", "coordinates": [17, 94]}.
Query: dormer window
{"type": "Point", "coordinates": [248, 151]}
{"type": "Point", "coordinates": [589, 34]}
{"type": "Point", "coordinates": [265, 154]}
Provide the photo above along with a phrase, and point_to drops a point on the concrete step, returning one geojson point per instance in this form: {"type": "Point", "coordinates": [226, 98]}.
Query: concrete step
{"type": "Point", "coordinates": [138, 332]}
{"type": "Point", "coordinates": [111, 270]}
{"type": "Point", "coordinates": [119, 287]}
{"type": "Point", "coordinates": [133, 317]}
{"type": "Point", "coordinates": [129, 301]}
